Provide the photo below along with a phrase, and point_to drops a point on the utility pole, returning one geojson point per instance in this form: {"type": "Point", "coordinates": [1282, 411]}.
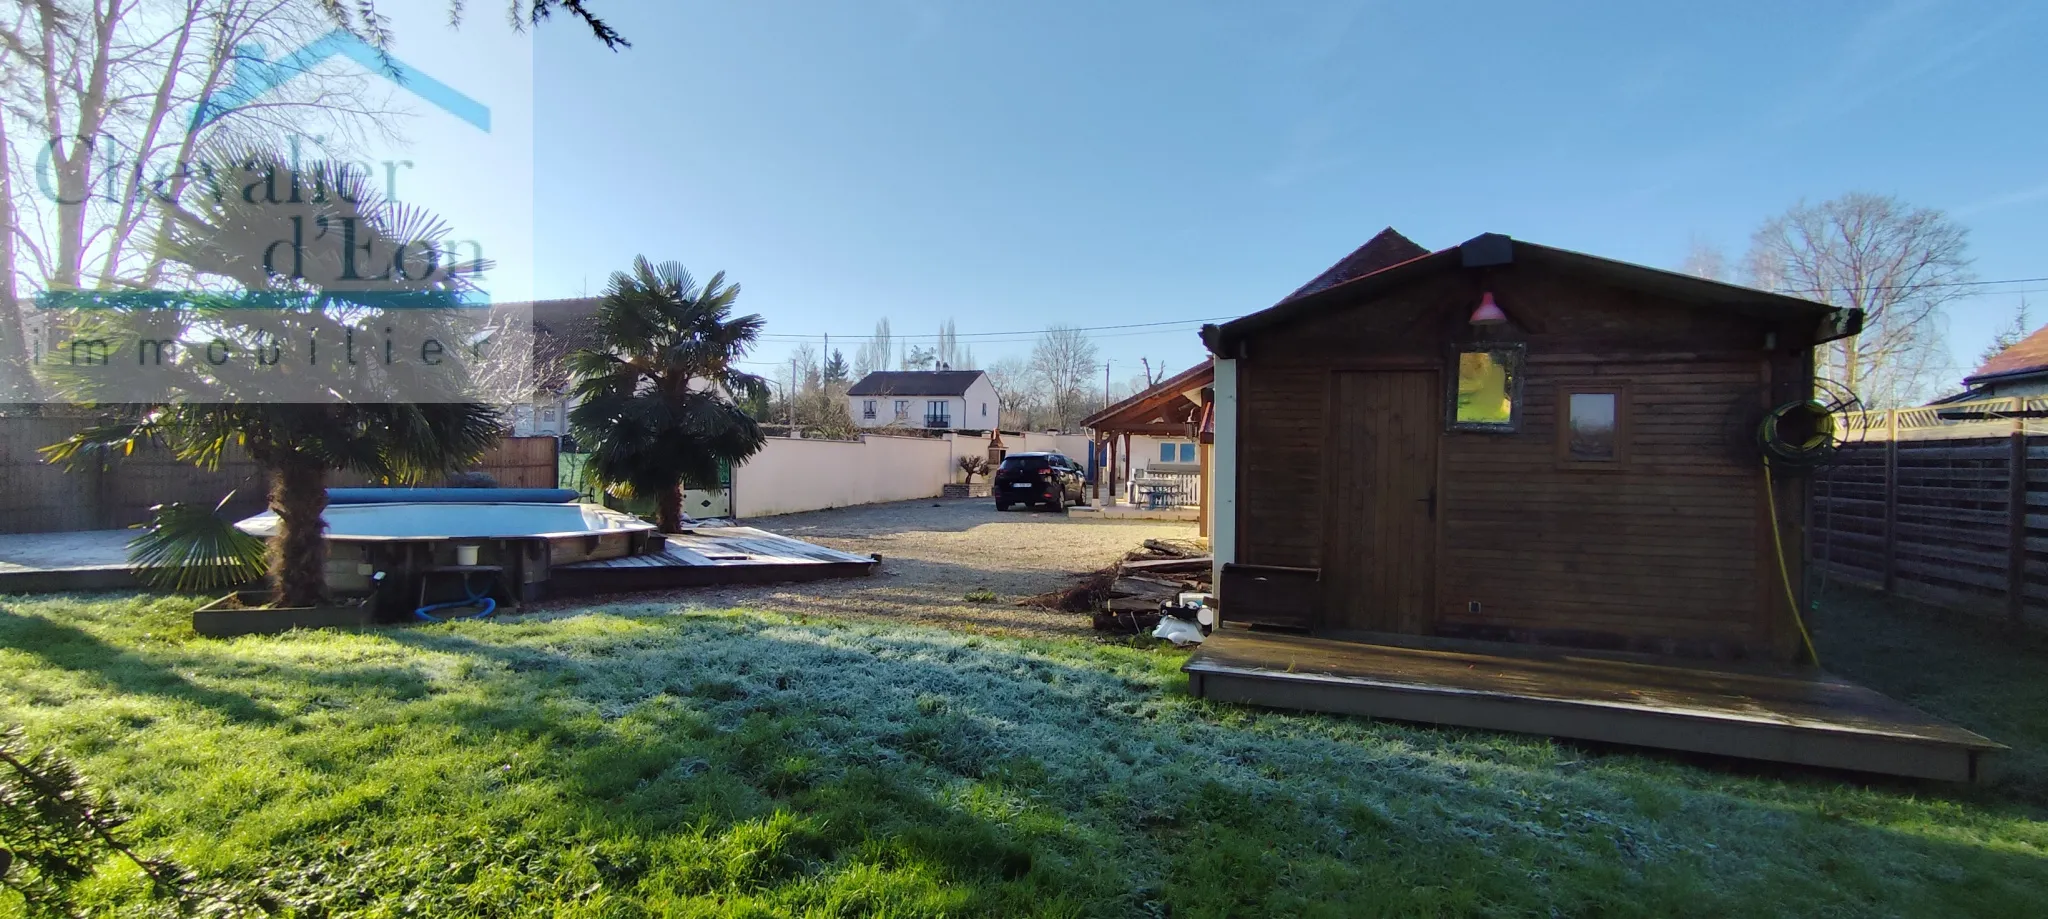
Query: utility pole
{"type": "Point", "coordinates": [790, 394]}
{"type": "Point", "coordinates": [1105, 384]}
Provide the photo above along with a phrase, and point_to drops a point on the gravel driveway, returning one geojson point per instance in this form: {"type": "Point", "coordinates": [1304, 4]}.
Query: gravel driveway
{"type": "Point", "coordinates": [935, 551]}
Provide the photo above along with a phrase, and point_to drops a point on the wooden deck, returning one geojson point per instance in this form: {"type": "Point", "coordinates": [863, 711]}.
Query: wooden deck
{"type": "Point", "coordinates": [709, 556]}
{"type": "Point", "coordinates": [1784, 715]}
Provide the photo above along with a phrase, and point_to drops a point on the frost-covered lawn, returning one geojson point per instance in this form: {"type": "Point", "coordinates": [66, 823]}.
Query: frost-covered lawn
{"type": "Point", "coordinates": [642, 761]}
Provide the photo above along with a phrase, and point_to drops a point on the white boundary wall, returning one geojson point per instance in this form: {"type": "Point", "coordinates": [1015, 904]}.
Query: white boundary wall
{"type": "Point", "coordinates": [793, 474]}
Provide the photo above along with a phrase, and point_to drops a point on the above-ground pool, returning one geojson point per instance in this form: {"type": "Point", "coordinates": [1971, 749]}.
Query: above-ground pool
{"type": "Point", "coordinates": [409, 544]}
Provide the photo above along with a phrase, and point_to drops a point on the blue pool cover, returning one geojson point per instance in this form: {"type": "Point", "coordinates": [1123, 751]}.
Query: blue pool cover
{"type": "Point", "coordinates": [451, 496]}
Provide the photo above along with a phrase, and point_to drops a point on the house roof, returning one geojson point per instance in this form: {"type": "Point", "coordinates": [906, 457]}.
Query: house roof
{"type": "Point", "coordinates": [1162, 404]}
{"type": "Point", "coordinates": [559, 327]}
{"type": "Point", "coordinates": [2026, 356]}
{"type": "Point", "coordinates": [1388, 247]}
{"type": "Point", "coordinates": [571, 321]}
{"type": "Point", "coordinates": [1490, 249]}
{"type": "Point", "coordinates": [915, 383]}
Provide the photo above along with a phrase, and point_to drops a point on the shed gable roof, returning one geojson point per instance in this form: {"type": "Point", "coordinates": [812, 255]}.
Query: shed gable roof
{"type": "Point", "coordinates": [1490, 249]}
{"type": "Point", "coordinates": [915, 383]}
{"type": "Point", "coordinates": [1386, 248]}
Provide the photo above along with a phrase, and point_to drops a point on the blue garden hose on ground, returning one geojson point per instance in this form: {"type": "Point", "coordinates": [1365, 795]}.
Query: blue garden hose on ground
{"type": "Point", "coordinates": [489, 606]}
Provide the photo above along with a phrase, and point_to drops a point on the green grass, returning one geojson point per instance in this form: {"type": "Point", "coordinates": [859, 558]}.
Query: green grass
{"type": "Point", "coordinates": [653, 761]}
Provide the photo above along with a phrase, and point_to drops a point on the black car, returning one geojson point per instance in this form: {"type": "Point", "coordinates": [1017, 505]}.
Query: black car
{"type": "Point", "coordinates": [1039, 478]}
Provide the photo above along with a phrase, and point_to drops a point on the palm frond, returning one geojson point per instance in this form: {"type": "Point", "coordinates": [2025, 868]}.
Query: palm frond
{"type": "Point", "coordinates": [101, 444]}
{"type": "Point", "coordinates": [189, 548]}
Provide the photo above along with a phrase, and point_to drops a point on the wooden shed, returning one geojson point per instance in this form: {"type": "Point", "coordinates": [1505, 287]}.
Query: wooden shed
{"type": "Point", "coordinates": [1523, 453]}
{"type": "Point", "coordinates": [1582, 473]}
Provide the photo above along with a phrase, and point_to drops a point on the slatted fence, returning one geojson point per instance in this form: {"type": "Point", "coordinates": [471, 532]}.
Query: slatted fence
{"type": "Point", "coordinates": [36, 497]}
{"type": "Point", "coordinates": [1955, 515]}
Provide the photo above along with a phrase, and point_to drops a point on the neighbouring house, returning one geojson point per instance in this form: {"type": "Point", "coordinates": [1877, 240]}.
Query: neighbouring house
{"type": "Point", "coordinates": [559, 327]}
{"type": "Point", "coordinates": [2018, 373]}
{"type": "Point", "coordinates": [940, 400]}
{"type": "Point", "coordinates": [1515, 487]}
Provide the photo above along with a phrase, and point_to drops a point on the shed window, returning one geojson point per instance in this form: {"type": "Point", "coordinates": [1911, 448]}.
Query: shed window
{"type": "Point", "coordinates": [1489, 388]}
{"type": "Point", "coordinates": [1592, 427]}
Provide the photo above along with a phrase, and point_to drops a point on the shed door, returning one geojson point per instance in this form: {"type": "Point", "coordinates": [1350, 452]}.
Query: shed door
{"type": "Point", "coordinates": [1379, 552]}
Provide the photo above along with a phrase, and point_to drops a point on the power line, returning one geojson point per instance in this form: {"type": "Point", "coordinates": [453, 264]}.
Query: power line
{"type": "Point", "coordinates": [1155, 328]}
{"type": "Point", "coordinates": [1031, 333]}
{"type": "Point", "coordinates": [1824, 290]}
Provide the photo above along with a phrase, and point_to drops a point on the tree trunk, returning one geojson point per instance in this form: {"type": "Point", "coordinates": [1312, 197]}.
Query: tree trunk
{"type": "Point", "coordinates": [668, 509]}
{"type": "Point", "coordinates": [1850, 377]}
{"type": "Point", "coordinates": [16, 380]}
{"type": "Point", "coordinates": [298, 553]}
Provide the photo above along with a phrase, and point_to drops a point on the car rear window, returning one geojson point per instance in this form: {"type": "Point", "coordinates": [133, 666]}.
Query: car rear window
{"type": "Point", "coordinates": [1016, 463]}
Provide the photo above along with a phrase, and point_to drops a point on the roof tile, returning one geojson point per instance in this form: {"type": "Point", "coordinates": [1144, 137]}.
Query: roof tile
{"type": "Point", "coordinates": [915, 383]}
{"type": "Point", "coordinates": [1387, 248]}
{"type": "Point", "coordinates": [2029, 353]}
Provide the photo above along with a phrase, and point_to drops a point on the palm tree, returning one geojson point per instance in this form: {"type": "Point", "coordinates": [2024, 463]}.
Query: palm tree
{"type": "Point", "coordinates": [655, 398]}
{"type": "Point", "coordinates": [298, 424]}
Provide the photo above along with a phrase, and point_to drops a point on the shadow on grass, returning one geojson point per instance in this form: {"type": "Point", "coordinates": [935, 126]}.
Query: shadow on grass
{"type": "Point", "coordinates": [1203, 809]}
{"type": "Point", "coordinates": [1981, 673]}
{"type": "Point", "coordinates": [72, 649]}
{"type": "Point", "coordinates": [846, 769]}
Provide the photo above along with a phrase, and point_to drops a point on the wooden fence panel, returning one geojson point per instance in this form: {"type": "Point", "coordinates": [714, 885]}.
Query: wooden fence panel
{"type": "Point", "coordinates": [1955, 515]}
{"type": "Point", "coordinates": [36, 497]}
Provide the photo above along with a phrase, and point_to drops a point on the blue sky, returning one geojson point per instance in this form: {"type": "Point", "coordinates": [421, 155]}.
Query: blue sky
{"type": "Point", "coordinates": [1015, 165]}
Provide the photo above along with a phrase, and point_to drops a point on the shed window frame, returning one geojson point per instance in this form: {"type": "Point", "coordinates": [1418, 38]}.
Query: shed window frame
{"type": "Point", "coordinates": [1623, 425]}
{"type": "Point", "coordinates": [1512, 356]}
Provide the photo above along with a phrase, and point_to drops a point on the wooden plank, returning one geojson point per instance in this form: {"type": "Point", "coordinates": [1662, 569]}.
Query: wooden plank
{"type": "Point", "coordinates": [2016, 533]}
{"type": "Point", "coordinates": [1992, 582]}
{"type": "Point", "coordinates": [1988, 560]}
{"type": "Point", "coordinates": [576, 580]}
{"type": "Point", "coordinates": [1891, 505]}
{"type": "Point", "coordinates": [1165, 565]}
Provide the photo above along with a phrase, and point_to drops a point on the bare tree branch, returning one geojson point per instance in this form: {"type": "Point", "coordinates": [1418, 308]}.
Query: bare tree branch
{"type": "Point", "coordinates": [1901, 265]}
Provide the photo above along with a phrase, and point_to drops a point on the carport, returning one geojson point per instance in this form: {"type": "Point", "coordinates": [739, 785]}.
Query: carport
{"type": "Point", "coordinates": [1178, 406]}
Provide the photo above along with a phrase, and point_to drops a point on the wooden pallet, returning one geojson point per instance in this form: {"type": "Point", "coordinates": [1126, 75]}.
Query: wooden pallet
{"type": "Point", "coordinates": [710, 556]}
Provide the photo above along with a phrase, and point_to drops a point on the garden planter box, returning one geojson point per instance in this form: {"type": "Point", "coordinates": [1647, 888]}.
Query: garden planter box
{"type": "Point", "coordinates": [243, 614]}
{"type": "Point", "coordinates": [958, 490]}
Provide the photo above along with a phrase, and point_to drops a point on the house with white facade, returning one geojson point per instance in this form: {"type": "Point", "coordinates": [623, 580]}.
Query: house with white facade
{"type": "Point", "coordinates": [940, 400]}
